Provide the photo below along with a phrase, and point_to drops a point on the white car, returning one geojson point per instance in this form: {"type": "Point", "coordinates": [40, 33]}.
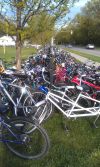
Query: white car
{"type": "Point", "coordinates": [90, 46]}
{"type": "Point", "coordinates": [69, 46]}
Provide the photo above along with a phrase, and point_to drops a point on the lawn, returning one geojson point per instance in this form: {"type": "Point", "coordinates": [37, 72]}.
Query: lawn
{"type": "Point", "coordinates": [10, 54]}
{"type": "Point", "coordinates": [79, 147]}
{"type": "Point", "coordinates": [89, 56]}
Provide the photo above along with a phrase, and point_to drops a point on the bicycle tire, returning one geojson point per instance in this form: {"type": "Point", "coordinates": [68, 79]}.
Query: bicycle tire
{"type": "Point", "coordinates": [29, 102]}
{"type": "Point", "coordinates": [42, 112]}
{"type": "Point", "coordinates": [47, 106]}
{"type": "Point", "coordinates": [38, 130]}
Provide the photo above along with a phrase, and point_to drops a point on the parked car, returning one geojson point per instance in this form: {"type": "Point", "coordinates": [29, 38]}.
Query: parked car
{"type": "Point", "coordinates": [69, 46]}
{"type": "Point", "coordinates": [90, 46]}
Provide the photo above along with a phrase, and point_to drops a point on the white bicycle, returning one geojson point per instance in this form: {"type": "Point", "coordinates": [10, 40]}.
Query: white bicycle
{"type": "Point", "coordinates": [67, 99]}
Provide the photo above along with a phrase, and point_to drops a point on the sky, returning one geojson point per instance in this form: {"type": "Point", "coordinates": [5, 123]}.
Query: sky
{"type": "Point", "coordinates": [73, 11]}
{"type": "Point", "coordinates": [77, 8]}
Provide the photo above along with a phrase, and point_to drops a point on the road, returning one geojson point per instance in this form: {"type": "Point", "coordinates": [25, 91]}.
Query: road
{"type": "Point", "coordinates": [95, 52]}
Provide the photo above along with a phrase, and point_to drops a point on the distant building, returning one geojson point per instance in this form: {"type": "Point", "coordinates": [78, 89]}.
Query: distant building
{"type": "Point", "coordinates": [7, 41]}
{"type": "Point", "coordinates": [27, 44]}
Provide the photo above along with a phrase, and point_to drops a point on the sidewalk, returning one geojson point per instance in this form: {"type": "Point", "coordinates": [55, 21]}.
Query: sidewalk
{"type": "Point", "coordinates": [85, 60]}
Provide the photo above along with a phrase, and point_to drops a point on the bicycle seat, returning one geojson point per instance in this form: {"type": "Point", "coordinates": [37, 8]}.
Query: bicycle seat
{"type": "Point", "coordinates": [60, 84]}
{"type": "Point", "coordinates": [5, 75]}
{"type": "Point", "coordinates": [6, 81]}
{"type": "Point", "coordinates": [21, 76]}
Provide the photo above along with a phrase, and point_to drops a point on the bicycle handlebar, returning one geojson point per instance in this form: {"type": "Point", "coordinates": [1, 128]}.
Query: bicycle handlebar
{"type": "Point", "coordinates": [61, 87]}
{"type": "Point", "coordinates": [43, 70]}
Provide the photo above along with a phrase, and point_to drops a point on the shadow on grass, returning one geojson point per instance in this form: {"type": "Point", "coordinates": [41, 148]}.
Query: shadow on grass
{"type": "Point", "coordinates": [78, 147]}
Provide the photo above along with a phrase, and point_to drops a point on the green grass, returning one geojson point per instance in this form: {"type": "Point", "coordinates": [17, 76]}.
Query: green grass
{"type": "Point", "coordinates": [79, 147]}
{"type": "Point", "coordinates": [89, 56]}
{"type": "Point", "coordinates": [10, 54]}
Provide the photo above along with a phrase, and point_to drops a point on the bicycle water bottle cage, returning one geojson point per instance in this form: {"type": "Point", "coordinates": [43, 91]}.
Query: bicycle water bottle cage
{"type": "Point", "coordinates": [43, 89]}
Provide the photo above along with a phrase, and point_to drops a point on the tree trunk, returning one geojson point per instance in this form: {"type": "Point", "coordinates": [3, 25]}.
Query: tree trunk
{"type": "Point", "coordinates": [18, 36]}
{"type": "Point", "coordinates": [18, 51]}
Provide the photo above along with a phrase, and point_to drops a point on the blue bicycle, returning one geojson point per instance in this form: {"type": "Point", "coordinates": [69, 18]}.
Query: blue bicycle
{"type": "Point", "coordinates": [19, 137]}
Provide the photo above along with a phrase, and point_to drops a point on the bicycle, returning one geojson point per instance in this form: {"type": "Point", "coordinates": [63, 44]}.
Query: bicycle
{"type": "Point", "coordinates": [17, 96]}
{"type": "Point", "coordinates": [70, 106]}
{"type": "Point", "coordinates": [17, 135]}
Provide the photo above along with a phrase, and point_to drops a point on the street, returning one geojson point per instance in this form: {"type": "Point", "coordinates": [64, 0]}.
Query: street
{"type": "Point", "coordinates": [95, 52]}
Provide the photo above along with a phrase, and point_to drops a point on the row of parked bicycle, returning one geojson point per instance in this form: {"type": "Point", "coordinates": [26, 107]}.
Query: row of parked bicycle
{"type": "Point", "coordinates": [27, 99]}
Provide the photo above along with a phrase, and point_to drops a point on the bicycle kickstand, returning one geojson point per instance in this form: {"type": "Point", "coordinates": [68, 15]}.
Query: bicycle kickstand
{"type": "Point", "coordinates": [96, 121]}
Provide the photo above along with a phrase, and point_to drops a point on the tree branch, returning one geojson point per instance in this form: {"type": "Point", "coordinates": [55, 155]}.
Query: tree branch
{"type": "Point", "coordinates": [30, 13]}
{"type": "Point", "coordinates": [40, 6]}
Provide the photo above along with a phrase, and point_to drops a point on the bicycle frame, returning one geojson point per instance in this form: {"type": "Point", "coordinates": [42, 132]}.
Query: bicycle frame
{"type": "Point", "coordinates": [5, 125]}
{"type": "Point", "coordinates": [24, 90]}
{"type": "Point", "coordinates": [76, 110]}
{"type": "Point", "coordinates": [79, 81]}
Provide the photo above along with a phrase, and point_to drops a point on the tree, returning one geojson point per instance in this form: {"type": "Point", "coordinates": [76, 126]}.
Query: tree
{"type": "Point", "coordinates": [85, 25]}
{"type": "Point", "coordinates": [21, 11]}
{"type": "Point", "coordinates": [63, 36]}
{"type": "Point", "coordinates": [92, 12]}
{"type": "Point", "coordinates": [41, 28]}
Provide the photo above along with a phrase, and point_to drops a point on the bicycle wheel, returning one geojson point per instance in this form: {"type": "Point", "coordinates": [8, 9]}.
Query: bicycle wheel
{"type": "Point", "coordinates": [44, 111]}
{"type": "Point", "coordinates": [23, 142]}
{"type": "Point", "coordinates": [30, 101]}
{"type": "Point", "coordinates": [41, 112]}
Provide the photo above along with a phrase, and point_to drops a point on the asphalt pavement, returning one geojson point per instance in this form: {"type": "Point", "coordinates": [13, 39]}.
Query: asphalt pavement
{"type": "Point", "coordinates": [95, 52]}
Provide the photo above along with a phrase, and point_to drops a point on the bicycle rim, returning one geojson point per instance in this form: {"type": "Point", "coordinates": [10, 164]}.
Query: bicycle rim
{"type": "Point", "coordinates": [34, 145]}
